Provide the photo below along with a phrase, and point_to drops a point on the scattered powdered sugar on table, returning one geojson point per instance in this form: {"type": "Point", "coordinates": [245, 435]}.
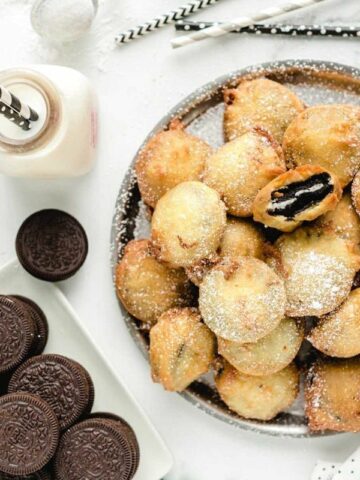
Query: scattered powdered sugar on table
{"type": "Point", "coordinates": [90, 52]}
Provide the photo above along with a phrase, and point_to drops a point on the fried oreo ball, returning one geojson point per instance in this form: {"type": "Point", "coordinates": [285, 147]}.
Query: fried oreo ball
{"type": "Point", "coordinates": [242, 167]}
{"type": "Point", "coordinates": [182, 348]}
{"type": "Point", "coordinates": [318, 269]}
{"type": "Point", "coordinates": [338, 333]}
{"type": "Point", "coordinates": [298, 195]}
{"type": "Point", "coordinates": [170, 157]}
{"type": "Point", "coordinates": [355, 192]}
{"type": "Point", "coordinates": [328, 136]}
{"type": "Point", "coordinates": [268, 355]}
{"type": "Point", "coordinates": [242, 299]}
{"type": "Point", "coordinates": [187, 224]}
{"type": "Point", "coordinates": [241, 238]}
{"type": "Point", "coordinates": [260, 397]}
{"type": "Point", "coordinates": [343, 221]}
{"type": "Point", "coordinates": [260, 103]}
{"type": "Point", "coordinates": [332, 395]}
{"type": "Point", "coordinates": [146, 287]}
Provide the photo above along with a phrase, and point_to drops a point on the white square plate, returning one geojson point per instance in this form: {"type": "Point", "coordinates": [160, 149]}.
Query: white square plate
{"type": "Point", "coordinates": [68, 337]}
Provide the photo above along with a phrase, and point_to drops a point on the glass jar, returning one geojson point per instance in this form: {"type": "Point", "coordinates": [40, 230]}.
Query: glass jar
{"type": "Point", "coordinates": [62, 142]}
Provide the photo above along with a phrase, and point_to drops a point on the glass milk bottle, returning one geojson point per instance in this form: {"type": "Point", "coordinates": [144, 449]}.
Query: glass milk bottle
{"type": "Point", "coordinates": [62, 142]}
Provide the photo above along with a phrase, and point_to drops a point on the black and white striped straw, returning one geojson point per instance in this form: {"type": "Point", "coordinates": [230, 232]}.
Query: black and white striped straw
{"type": "Point", "coordinates": [166, 19]}
{"type": "Point", "coordinates": [278, 29]}
{"type": "Point", "coordinates": [222, 29]}
{"type": "Point", "coordinates": [14, 117]}
{"type": "Point", "coordinates": [22, 109]}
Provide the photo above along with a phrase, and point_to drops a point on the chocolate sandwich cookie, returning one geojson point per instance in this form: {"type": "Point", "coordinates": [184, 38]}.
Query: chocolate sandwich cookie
{"type": "Point", "coordinates": [51, 245]}
{"type": "Point", "coordinates": [94, 448]}
{"type": "Point", "coordinates": [41, 475]}
{"type": "Point", "coordinates": [118, 422]}
{"type": "Point", "coordinates": [17, 333]}
{"type": "Point", "coordinates": [90, 383]}
{"type": "Point", "coordinates": [29, 433]}
{"type": "Point", "coordinates": [40, 323]}
{"type": "Point", "coordinates": [58, 380]}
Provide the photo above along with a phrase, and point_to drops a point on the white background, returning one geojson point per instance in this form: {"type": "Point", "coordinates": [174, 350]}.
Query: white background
{"type": "Point", "coordinates": [137, 84]}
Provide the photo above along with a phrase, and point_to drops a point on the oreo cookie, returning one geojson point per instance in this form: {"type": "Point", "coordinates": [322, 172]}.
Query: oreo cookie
{"type": "Point", "coordinates": [17, 334]}
{"type": "Point", "coordinates": [94, 448]}
{"type": "Point", "coordinates": [41, 475]}
{"type": "Point", "coordinates": [51, 245]}
{"type": "Point", "coordinates": [60, 381]}
{"type": "Point", "coordinates": [91, 390]}
{"type": "Point", "coordinates": [40, 323]}
{"type": "Point", "coordinates": [29, 434]}
{"type": "Point", "coordinates": [118, 422]}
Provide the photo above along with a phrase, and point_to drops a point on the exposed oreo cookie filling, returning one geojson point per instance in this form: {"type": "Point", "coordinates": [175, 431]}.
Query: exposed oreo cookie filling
{"type": "Point", "coordinates": [294, 198]}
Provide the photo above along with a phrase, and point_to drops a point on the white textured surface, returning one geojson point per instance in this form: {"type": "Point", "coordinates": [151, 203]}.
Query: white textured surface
{"type": "Point", "coordinates": [138, 84]}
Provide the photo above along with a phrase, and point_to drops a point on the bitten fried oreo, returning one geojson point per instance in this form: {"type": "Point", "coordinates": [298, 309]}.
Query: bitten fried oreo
{"type": "Point", "coordinates": [97, 446]}
{"type": "Point", "coordinates": [298, 195]}
{"type": "Point", "coordinates": [40, 323]}
{"type": "Point", "coordinates": [16, 334]}
{"type": "Point", "coordinates": [29, 433]}
{"type": "Point", "coordinates": [51, 245]}
{"type": "Point", "coordinates": [61, 382]}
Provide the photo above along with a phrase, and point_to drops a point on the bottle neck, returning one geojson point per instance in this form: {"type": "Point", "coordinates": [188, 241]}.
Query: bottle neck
{"type": "Point", "coordinates": [38, 92]}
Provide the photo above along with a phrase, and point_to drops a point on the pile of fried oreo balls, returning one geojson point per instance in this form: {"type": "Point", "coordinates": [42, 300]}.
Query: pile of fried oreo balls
{"type": "Point", "coordinates": [47, 430]}
{"type": "Point", "coordinates": [251, 267]}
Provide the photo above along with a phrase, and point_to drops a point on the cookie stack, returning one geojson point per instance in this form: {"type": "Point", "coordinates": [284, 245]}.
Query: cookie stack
{"type": "Point", "coordinates": [46, 426]}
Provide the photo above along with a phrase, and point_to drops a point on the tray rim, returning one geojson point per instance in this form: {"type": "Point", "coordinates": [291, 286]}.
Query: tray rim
{"type": "Point", "coordinates": [180, 110]}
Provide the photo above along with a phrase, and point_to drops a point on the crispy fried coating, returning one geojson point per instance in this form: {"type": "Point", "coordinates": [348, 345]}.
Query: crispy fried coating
{"type": "Point", "coordinates": [260, 103]}
{"type": "Point", "coordinates": [242, 167]}
{"type": "Point", "coordinates": [318, 269]}
{"type": "Point", "coordinates": [242, 300]}
{"type": "Point", "coordinates": [241, 238]}
{"type": "Point", "coordinates": [187, 224]}
{"type": "Point", "coordinates": [338, 333]}
{"type": "Point", "coordinates": [148, 288]}
{"type": "Point", "coordinates": [182, 348]}
{"type": "Point", "coordinates": [328, 136]}
{"type": "Point", "coordinates": [268, 355]}
{"type": "Point", "coordinates": [261, 397]}
{"type": "Point", "coordinates": [170, 157]}
{"type": "Point", "coordinates": [332, 395]}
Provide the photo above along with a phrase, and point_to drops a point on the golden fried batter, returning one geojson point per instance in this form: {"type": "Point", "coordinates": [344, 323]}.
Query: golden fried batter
{"type": "Point", "coordinates": [260, 398]}
{"type": "Point", "coordinates": [332, 396]}
{"type": "Point", "coordinates": [240, 168]}
{"type": "Point", "coordinates": [318, 269]}
{"type": "Point", "coordinates": [241, 238]}
{"type": "Point", "coordinates": [298, 195]}
{"type": "Point", "coordinates": [181, 348]}
{"type": "Point", "coordinates": [147, 288]}
{"type": "Point", "coordinates": [328, 136]}
{"type": "Point", "coordinates": [343, 221]}
{"type": "Point", "coordinates": [355, 192]}
{"type": "Point", "coordinates": [242, 300]}
{"type": "Point", "coordinates": [187, 224]}
{"type": "Point", "coordinates": [170, 157]}
{"type": "Point", "coordinates": [268, 355]}
{"type": "Point", "coordinates": [338, 333]}
{"type": "Point", "coordinates": [260, 103]}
